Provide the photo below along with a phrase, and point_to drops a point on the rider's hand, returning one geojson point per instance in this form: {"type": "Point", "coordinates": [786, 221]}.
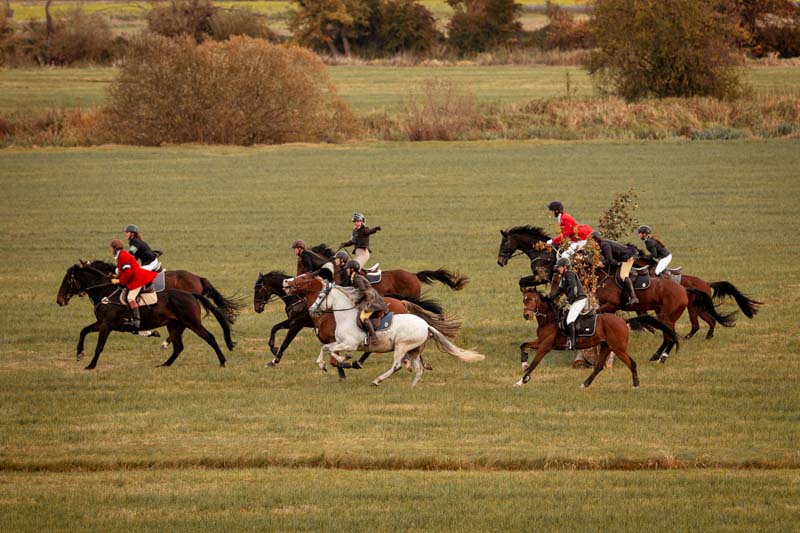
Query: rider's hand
{"type": "Point", "coordinates": [342, 244]}
{"type": "Point", "coordinates": [377, 228]}
{"type": "Point", "coordinates": [115, 281]}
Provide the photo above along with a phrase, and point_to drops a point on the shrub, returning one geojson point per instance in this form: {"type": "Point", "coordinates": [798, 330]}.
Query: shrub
{"type": "Point", "coordinates": [563, 32]}
{"type": "Point", "coordinates": [440, 111]}
{"type": "Point", "coordinates": [480, 25]}
{"type": "Point", "coordinates": [182, 17]}
{"type": "Point", "coordinates": [81, 37]}
{"type": "Point", "coordinates": [664, 48]}
{"type": "Point", "coordinates": [405, 26]}
{"type": "Point", "coordinates": [226, 23]}
{"type": "Point", "coordinates": [241, 91]}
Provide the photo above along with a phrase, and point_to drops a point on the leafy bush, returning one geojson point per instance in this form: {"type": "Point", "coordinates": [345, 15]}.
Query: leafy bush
{"type": "Point", "coordinates": [664, 48]}
{"type": "Point", "coordinates": [184, 17]}
{"type": "Point", "coordinates": [563, 32]}
{"type": "Point", "coordinates": [226, 23]}
{"type": "Point", "coordinates": [481, 25]}
{"type": "Point", "coordinates": [405, 26]}
{"type": "Point", "coordinates": [440, 111]}
{"type": "Point", "coordinates": [241, 91]}
{"type": "Point", "coordinates": [81, 37]}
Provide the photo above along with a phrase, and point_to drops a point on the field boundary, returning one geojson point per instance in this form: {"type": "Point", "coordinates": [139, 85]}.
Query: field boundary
{"type": "Point", "coordinates": [424, 464]}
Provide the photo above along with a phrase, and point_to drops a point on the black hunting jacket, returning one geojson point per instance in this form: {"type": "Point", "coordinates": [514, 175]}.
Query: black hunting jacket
{"type": "Point", "coordinates": [571, 286]}
{"type": "Point", "coordinates": [656, 248]}
{"type": "Point", "coordinates": [615, 253]}
{"type": "Point", "coordinates": [141, 251]}
{"type": "Point", "coordinates": [360, 237]}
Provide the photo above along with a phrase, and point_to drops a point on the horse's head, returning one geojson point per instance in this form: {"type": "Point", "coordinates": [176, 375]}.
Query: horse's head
{"type": "Point", "coordinates": [508, 246]}
{"type": "Point", "coordinates": [530, 302]}
{"type": "Point", "coordinates": [261, 294]}
{"type": "Point", "coordinates": [303, 284]}
{"type": "Point", "coordinates": [524, 239]}
{"type": "Point", "coordinates": [77, 280]}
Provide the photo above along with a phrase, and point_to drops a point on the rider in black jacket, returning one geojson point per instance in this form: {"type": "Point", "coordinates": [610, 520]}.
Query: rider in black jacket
{"type": "Point", "coordinates": [140, 249]}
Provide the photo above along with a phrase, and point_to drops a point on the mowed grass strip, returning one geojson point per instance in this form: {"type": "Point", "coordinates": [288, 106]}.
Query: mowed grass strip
{"type": "Point", "coordinates": [366, 88]}
{"type": "Point", "coordinates": [229, 213]}
{"type": "Point", "coordinates": [331, 500]}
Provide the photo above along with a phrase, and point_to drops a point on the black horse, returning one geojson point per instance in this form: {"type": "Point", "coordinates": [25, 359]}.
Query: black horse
{"type": "Point", "coordinates": [175, 308]}
{"type": "Point", "coordinates": [269, 286]}
{"type": "Point", "coordinates": [524, 240]}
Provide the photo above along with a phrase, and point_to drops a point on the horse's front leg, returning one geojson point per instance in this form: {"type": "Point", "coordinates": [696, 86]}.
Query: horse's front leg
{"type": "Point", "coordinates": [85, 331]}
{"type": "Point", "coordinates": [523, 352]}
{"type": "Point", "coordinates": [102, 337]}
{"type": "Point", "coordinates": [276, 328]}
{"type": "Point", "coordinates": [543, 347]}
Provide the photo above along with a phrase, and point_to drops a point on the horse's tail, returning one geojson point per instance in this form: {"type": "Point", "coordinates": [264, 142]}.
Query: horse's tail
{"type": "Point", "coordinates": [704, 302]}
{"type": "Point", "coordinates": [230, 306]}
{"type": "Point", "coordinates": [468, 356]}
{"type": "Point", "coordinates": [453, 280]}
{"type": "Point", "coordinates": [221, 317]}
{"type": "Point", "coordinates": [447, 326]}
{"type": "Point", "coordinates": [431, 306]}
{"type": "Point", "coordinates": [642, 322]}
{"type": "Point", "coordinates": [723, 289]}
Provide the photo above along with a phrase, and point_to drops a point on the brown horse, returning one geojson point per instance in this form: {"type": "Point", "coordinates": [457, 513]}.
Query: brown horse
{"type": "Point", "coordinates": [611, 334]}
{"type": "Point", "coordinates": [717, 291]}
{"type": "Point", "coordinates": [176, 309]}
{"type": "Point", "coordinates": [402, 282]}
{"type": "Point", "coordinates": [310, 286]}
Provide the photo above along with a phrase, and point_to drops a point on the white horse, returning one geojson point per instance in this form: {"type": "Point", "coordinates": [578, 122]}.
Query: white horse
{"type": "Point", "coordinates": [406, 336]}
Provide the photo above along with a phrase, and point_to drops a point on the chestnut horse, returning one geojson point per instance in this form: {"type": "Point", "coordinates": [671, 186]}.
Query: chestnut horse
{"type": "Point", "coordinates": [310, 286]}
{"type": "Point", "coordinates": [403, 282]}
{"type": "Point", "coordinates": [717, 290]}
{"type": "Point", "coordinates": [611, 334]}
{"type": "Point", "coordinates": [175, 309]}
{"type": "Point", "coordinates": [270, 285]}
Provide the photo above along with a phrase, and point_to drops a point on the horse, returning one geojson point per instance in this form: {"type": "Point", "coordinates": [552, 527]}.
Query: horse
{"type": "Point", "coordinates": [314, 288]}
{"type": "Point", "coordinates": [270, 286]}
{"type": "Point", "coordinates": [665, 297]}
{"type": "Point", "coordinates": [405, 337]}
{"type": "Point", "coordinates": [717, 291]}
{"type": "Point", "coordinates": [175, 308]}
{"type": "Point", "coordinates": [405, 283]}
{"type": "Point", "coordinates": [524, 240]}
{"type": "Point", "coordinates": [611, 334]}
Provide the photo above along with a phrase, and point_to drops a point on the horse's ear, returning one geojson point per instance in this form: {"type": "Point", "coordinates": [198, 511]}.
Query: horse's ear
{"type": "Point", "coordinates": [504, 232]}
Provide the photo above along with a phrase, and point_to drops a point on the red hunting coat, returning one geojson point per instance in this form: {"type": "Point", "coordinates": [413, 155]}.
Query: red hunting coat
{"type": "Point", "coordinates": [572, 230]}
{"type": "Point", "coordinates": [131, 275]}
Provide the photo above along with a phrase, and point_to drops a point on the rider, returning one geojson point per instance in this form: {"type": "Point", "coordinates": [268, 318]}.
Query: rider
{"type": "Point", "coordinates": [570, 285]}
{"type": "Point", "coordinates": [304, 261]}
{"type": "Point", "coordinates": [141, 250]}
{"type": "Point", "coordinates": [618, 255]}
{"type": "Point", "coordinates": [131, 276]}
{"type": "Point", "coordinates": [370, 301]}
{"type": "Point", "coordinates": [658, 252]}
{"type": "Point", "coordinates": [340, 259]}
{"type": "Point", "coordinates": [360, 239]}
{"type": "Point", "coordinates": [577, 233]}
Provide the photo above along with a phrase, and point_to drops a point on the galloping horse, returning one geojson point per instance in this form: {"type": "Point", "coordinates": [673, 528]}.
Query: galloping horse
{"type": "Point", "coordinates": [312, 288]}
{"type": "Point", "coordinates": [175, 308]}
{"type": "Point", "coordinates": [270, 285]}
{"type": "Point", "coordinates": [523, 239]}
{"type": "Point", "coordinates": [406, 336]}
{"type": "Point", "coordinates": [406, 283]}
{"type": "Point", "coordinates": [611, 334]}
{"type": "Point", "coordinates": [717, 290]}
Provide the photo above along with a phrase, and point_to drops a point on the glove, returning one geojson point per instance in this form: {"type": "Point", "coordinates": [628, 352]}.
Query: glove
{"type": "Point", "coordinates": [377, 228]}
{"type": "Point", "coordinates": [115, 281]}
{"type": "Point", "coordinates": [549, 241]}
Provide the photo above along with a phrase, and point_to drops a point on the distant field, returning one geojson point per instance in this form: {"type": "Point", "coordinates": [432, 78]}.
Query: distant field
{"type": "Point", "coordinates": [366, 88]}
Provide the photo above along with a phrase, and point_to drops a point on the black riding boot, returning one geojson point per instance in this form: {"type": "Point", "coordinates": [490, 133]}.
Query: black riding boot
{"type": "Point", "coordinates": [632, 299]}
{"type": "Point", "coordinates": [135, 320]}
{"type": "Point", "coordinates": [572, 343]}
{"type": "Point", "coordinates": [371, 338]}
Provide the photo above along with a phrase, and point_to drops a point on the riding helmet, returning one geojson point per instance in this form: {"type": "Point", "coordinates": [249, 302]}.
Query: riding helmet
{"type": "Point", "coordinates": [355, 265]}
{"type": "Point", "coordinates": [555, 206]}
{"type": "Point", "coordinates": [563, 262]}
{"type": "Point", "coordinates": [343, 255]}
{"type": "Point", "coordinates": [133, 228]}
{"type": "Point", "coordinates": [596, 235]}
{"type": "Point", "coordinates": [298, 244]}
{"type": "Point", "coordinates": [644, 228]}
{"type": "Point", "coordinates": [359, 216]}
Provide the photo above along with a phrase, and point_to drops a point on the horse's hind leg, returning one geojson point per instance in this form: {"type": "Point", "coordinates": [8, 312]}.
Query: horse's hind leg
{"type": "Point", "coordinates": [207, 336]}
{"type": "Point", "coordinates": [693, 319]}
{"type": "Point", "coordinates": [175, 330]}
{"type": "Point", "coordinates": [657, 354]}
{"type": "Point", "coordinates": [605, 349]}
{"type": "Point", "coordinates": [397, 364]}
{"type": "Point", "coordinates": [416, 360]}
{"type": "Point", "coordinates": [622, 353]}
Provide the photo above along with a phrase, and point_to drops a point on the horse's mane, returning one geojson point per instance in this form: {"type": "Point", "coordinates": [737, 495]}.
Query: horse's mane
{"type": "Point", "coordinates": [350, 292]}
{"type": "Point", "coordinates": [323, 250]}
{"type": "Point", "coordinates": [101, 265]}
{"type": "Point", "coordinates": [277, 274]}
{"type": "Point", "coordinates": [531, 231]}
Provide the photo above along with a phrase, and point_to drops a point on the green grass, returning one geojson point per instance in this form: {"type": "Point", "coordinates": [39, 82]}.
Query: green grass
{"type": "Point", "coordinates": [366, 88]}
{"type": "Point", "coordinates": [724, 208]}
{"type": "Point", "coordinates": [295, 499]}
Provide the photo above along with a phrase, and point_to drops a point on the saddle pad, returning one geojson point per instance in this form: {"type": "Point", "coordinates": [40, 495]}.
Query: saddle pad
{"type": "Point", "coordinates": [144, 298]}
{"type": "Point", "coordinates": [640, 279]}
{"type": "Point", "coordinates": [147, 298]}
{"type": "Point", "coordinates": [374, 277]}
{"type": "Point", "coordinates": [373, 268]}
{"type": "Point", "coordinates": [386, 321]}
{"type": "Point", "coordinates": [585, 326]}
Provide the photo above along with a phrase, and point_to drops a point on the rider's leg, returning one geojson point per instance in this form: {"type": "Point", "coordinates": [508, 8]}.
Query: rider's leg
{"type": "Point", "coordinates": [574, 310]}
{"type": "Point", "coordinates": [663, 264]}
{"type": "Point", "coordinates": [362, 256]}
{"type": "Point", "coordinates": [135, 320]}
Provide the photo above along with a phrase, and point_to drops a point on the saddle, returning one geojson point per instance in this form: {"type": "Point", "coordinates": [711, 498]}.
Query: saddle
{"type": "Point", "coordinates": [674, 274]}
{"type": "Point", "coordinates": [640, 277]}
{"type": "Point", "coordinates": [373, 275]}
{"type": "Point", "coordinates": [382, 321]}
{"type": "Point", "coordinates": [585, 325]}
{"type": "Point", "coordinates": [147, 296]}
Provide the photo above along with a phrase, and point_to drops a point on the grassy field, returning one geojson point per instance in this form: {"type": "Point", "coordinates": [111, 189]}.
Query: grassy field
{"type": "Point", "coordinates": [366, 88]}
{"type": "Point", "coordinates": [131, 446]}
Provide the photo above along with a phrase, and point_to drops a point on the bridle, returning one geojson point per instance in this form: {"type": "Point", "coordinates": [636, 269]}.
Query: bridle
{"type": "Point", "coordinates": [321, 297]}
{"type": "Point", "coordinates": [537, 300]}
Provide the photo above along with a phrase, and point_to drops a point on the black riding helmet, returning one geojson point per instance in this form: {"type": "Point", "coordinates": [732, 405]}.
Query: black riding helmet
{"type": "Point", "coordinates": [563, 262]}
{"type": "Point", "coordinates": [555, 206]}
{"type": "Point", "coordinates": [355, 265]}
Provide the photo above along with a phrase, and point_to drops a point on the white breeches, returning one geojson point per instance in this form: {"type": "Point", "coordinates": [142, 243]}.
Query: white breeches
{"type": "Point", "coordinates": [574, 247]}
{"type": "Point", "coordinates": [362, 256]}
{"type": "Point", "coordinates": [663, 264]}
{"type": "Point", "coordinates": [132, 294]}
{"type": "Point", "coordinates": [152, 267]}
{"type": "Point", "coordinates": [575, 309]}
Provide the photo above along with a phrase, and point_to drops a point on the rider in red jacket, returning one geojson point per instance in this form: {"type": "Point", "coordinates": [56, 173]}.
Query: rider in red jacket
{"type": "Point", "coordinates": [570, 229]}
{"type": "Point", "coordinates": [131, 276]}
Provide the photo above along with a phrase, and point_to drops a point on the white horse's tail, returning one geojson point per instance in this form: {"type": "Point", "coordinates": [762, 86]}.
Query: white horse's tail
{"type": "Point", "coordinates": [448, 326]}
{"type": "Point", "coordinates": [468, 356]}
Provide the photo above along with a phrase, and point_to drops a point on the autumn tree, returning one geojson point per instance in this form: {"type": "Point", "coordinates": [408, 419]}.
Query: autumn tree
{"type": "Point", "coordinates": [480, 25]}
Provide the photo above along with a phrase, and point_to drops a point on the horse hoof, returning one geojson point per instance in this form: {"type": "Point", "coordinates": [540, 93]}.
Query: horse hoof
{"type": "Point", "coordinates": [272, 363]}
{"type": "Point", "coordinates": [89, 367]}
{"type": "Point", "coordinates": [376, 383]}
{"type": "Point", "coordinates": [662, 359]}
{"type": "Point", "coordinates": [155, 333]}
{"type": "Point", "coordinates": [427, 366]}
{"type": "Point", "coordinates": [164, 345]}
{"type": "Point", "coordinates": [525, 365]}
{"type": "Point", "coordinates": [518, 383]}
{"type": "Point", "coordinates": [323, 367]}
{"type": "Point", "coordinates": [79, 356]}
{"type": "Point", "coordinates": [583, 385]}
{"type": "Point", "coordinates": [356, 365]}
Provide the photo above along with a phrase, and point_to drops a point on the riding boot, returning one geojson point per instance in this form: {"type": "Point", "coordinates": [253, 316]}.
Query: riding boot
{"type": "Point", "coordinates": [573, 338]}
{"type": "Point", "coordinates": [135, 320]}
{"type": "Point", "coordinates": [632, 299]}
{"type": "Point", "coordinates": [371, 338]}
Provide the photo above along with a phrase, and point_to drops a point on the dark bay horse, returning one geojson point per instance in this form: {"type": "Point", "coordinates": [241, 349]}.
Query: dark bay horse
{"type": "Point", "coordinates": [717, 291]}
{"type": "Point", "coordinates": [175, 309]}
{"type": "Point", "coordinates": [309, 286]}
{"type": "Point", "coordinates": [611, 334]}
{"type": "Point", "coordinates": [270, 286]}
{"type": "Point", "coordinates": [524, 240]}
{"type": "Point", "coordinates": [405, 283]}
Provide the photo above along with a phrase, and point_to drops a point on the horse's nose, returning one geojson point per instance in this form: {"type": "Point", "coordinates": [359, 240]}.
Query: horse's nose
{"type": "Point", "coordinates": [527, 315]}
